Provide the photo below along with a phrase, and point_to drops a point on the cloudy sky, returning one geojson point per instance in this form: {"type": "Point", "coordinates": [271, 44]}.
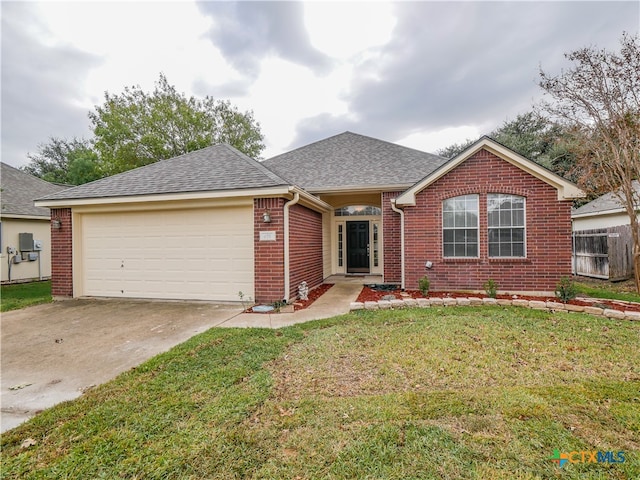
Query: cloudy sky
{"type": "Point", "coordinates": [422, 74]}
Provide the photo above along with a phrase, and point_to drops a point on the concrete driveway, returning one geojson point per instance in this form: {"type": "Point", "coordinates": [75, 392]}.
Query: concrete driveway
{"type": "Point", "coordinates": [54, 352]}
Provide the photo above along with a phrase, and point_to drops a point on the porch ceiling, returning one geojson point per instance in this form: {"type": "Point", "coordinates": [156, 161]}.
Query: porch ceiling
{"type": "Point", "coordinates": [337, 200]}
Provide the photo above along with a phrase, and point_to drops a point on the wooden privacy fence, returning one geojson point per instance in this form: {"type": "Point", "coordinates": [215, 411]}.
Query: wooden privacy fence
{"type": "Point", "coordinates": [603, 253]}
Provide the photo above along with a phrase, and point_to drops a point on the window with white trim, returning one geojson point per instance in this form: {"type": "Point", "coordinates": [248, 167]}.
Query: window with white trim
{"type": "Point", "coordinates": [506, 222]}
{"type": "Point", "coordinates": [460, 226]}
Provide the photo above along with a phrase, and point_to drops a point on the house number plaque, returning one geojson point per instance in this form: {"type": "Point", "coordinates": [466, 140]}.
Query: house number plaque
{"type": "Point", "coordinates": [268, 236]}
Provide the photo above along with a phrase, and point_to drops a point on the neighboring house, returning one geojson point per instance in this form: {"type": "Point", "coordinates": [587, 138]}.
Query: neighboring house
{"type": "Point", "coordinates": [603, 212]}
{"type": "Point", "coordinates": [213, 223]}
{"type": "Point", "coordinates": [603, 244]}
{"type": "Point", "coordinates": [22, 261]}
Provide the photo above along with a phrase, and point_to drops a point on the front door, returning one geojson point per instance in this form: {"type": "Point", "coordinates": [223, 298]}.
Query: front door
{"type": "Point", "coordinates": [358, 247]}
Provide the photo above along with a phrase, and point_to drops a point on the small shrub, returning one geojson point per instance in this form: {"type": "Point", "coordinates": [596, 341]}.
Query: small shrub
{"type": "Point", "coordinates": [491, 287]}
{"type": "Point", "coordinates": [278, 304]}
{"type": "Point", "coordinates": [423, 285]}
{"type": "Point", "coordinates": [566, 290]}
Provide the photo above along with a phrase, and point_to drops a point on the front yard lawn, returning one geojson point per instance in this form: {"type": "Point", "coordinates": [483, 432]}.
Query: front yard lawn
{"type": "Point", "coordinates": [20, 295]}
{"type": "Point", "coordinates": [451, 392]}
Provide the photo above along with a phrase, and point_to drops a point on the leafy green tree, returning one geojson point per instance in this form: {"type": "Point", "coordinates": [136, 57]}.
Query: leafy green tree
{"type": "Point", "coordinates": [597, 100]}
{"type": "Point", "coordinates": [534, 137]}
{"type": "Point", "coordinates": [137, 128]}
{"type": "Point", "coordinates": [455, 149]}
{"type": "Point", "coordinates": [69, 162]}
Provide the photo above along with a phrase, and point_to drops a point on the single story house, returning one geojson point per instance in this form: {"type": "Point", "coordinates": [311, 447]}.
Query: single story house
{"type": "Point", "coordinates": [25, 232]}
{"type": "Point", "coordinates": [212, 223]}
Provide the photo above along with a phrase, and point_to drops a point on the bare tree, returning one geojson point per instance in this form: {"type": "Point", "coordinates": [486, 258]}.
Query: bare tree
{"type": "Point", "coordinates": [598, 100]}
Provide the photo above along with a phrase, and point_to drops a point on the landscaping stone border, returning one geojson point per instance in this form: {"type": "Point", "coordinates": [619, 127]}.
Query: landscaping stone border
{"type": "Point", "coordinates": [475, 301]}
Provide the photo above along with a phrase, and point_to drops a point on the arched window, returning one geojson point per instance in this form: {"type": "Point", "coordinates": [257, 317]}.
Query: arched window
{"type": "Point", "coordinates": [357, 210]}
{"type": "Point", "coordinates": [460, 226]}
{"type": "Point", "coordinates": [506, 222]}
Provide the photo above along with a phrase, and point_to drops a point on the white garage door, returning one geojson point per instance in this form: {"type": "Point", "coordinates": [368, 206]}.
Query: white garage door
{"type": "Point", "coordinates": [201, 254]}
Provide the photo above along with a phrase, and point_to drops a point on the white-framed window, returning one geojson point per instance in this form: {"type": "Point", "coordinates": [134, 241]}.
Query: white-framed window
{"type": "Point", "coordinates": [460, 227]}
{"type": "Point", "coordinates": [506, 222]}
{"type": "Point", "coordinates": [357, 211]}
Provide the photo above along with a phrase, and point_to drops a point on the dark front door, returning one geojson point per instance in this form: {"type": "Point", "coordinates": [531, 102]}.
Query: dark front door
{"type": "Point", "coordinates": [358, 247]}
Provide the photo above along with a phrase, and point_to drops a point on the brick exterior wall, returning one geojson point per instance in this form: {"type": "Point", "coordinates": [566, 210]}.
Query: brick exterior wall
{"type": "Point", "coordinates": [269, 255]}
{"type": "Point", "coordinates": [391, 238]}
{"type": "Point", "coordinates": [62, 254]}
{"type": "Point", "coordinates": [548, 231]}
{"type": "Point", "coordinates": [305, 248]}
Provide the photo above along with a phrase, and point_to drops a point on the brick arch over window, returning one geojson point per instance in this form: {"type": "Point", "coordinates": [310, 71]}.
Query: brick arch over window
{"type": "Point", "coordinates": [548, 231]}
{"type": "Point", "coordinates": [484, 189]}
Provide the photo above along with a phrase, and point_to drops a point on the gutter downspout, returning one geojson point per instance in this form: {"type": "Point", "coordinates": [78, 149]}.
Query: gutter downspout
{"type": "Point", "coordinates": [287, 280]}
{"type": "Point", "coordinates": [401, 212]}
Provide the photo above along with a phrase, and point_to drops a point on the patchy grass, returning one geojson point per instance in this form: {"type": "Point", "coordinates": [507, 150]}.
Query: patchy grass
{"type": "Point", "coordinates": [425, 393]}
{"type": "Point", "coordinates": [20, 295]}
{"type": "Point", "coordinates": [597, 288]}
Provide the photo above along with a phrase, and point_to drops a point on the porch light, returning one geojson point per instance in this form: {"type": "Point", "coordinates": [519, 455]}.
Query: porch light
{"type": "Point", "coordinates": [56, 223]}
{"type": "Point", "coordinates": [266, 217]}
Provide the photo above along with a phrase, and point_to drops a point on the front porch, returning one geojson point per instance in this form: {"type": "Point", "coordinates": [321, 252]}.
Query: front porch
{"type": "Point", "coordinates": [354, 279]}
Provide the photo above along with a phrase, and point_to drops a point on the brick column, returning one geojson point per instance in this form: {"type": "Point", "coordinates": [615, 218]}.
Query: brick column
{"type": "Point", "coordinates": [269, 254]}
{"type": "Point", "coordinates": [61, 253]}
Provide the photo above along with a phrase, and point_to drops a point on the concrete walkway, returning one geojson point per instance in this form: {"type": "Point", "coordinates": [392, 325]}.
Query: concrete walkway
{"type": "Point", "coordinates": [336, 301]}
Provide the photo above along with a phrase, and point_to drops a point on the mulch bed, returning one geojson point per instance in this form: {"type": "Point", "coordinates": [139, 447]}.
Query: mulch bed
{"type": "Point", "coordinates": [368, 294]}
{"type": "Point", "coordinates": [302, 304]}
{"type": "Point", "coordinates": [314, 294]}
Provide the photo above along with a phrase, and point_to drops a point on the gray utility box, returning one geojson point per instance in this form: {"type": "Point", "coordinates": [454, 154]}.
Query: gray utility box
{"type": "Point", "coordinates": [32, 257]}
{"type": "Point", "coordinates": [37, 245]}
{"type": "Point", "coordinates": [25, 240]}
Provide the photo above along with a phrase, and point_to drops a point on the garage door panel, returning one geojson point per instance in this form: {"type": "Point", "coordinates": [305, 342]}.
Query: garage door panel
{"type": "Point", "coordinates": [199, 255]}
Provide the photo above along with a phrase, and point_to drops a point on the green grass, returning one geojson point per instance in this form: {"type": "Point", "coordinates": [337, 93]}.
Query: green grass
{"type": "Point", "coordinates": [454, 393]}
{"type": "Point", "coordinates": [605, 291]}
{"type": "Point", "coordinates": [20, 295]}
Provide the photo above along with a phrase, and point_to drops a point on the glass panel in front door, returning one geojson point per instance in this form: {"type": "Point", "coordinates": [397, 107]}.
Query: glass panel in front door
{"type": "Point", "coordinates": [358, 247]}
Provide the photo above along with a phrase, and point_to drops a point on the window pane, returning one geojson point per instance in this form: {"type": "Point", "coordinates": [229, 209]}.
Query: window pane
{"type": "Point", "coordinates": [448, 236]}
{"type": "Point", "coordinates": [447, 219]}
{"type": "Point", "coordinates": [505, 218]}
{"type": "Point", "coordinates": [448, 205]}
{"type": "Point", "coordinates": [494, 250]}
{"type": "Point", "coordinates": [472, 235]}
{"type": "Point", "coordinates": [459, 250]}
{"type": "Point", "coordinates": [518, 250]}
{"type": "Point", "coordinates": [518, 218]}
{"type": "Point", "coordinates": [448, 249]}
{"type": "Point", "coordinates": [472, 250]}
{"type": "Point", "coordinates": [517, 235]}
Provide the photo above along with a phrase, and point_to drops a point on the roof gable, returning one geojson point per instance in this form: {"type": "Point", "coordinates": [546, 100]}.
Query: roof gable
{"type": "Point", "coordinates": [216, 168]}
{"type": "Point", "coordinates": [349, 161]}
{"type": "Point", "coordinates": [566, 190]}
{"type": "Point", "coordinates": [19, 190]}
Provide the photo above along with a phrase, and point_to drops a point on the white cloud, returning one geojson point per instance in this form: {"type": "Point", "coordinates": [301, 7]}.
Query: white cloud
{"type": "Point", "coordinates": [137, 41]}
{"type": "Point", "coordinates": [284, 92]}
{"type": "Point", "coordinates": [433, 141]}
{"type": "Point", "coordinates": [343, 29]}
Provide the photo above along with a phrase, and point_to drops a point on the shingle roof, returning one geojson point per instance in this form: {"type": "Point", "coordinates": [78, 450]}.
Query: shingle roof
{"type": "Point", "coordinates": [353, 160]}
{"type": "Point", "coordinates": [19, 190]}
{"type": "Point", "coordinates": [219, 167]}
{"type": "Point", "coordinates": [606, 202]}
